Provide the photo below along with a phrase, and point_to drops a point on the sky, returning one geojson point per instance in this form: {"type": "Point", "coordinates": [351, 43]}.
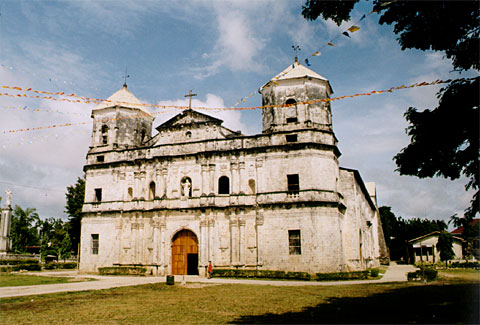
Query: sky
{"type": "Point", "coordinates": [223, 51]}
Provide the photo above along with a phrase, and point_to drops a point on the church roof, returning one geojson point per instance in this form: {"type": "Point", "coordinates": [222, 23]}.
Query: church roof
{"type": "Point", "coordinates": [124, 98]}
{"type": "Point", "coordinates": [189, 116]}
{"type": "Point", "coordinates": [296, 71]}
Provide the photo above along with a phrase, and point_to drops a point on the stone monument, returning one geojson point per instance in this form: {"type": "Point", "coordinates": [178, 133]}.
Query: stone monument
{"type": "Point", "coordinates": [5, 223]}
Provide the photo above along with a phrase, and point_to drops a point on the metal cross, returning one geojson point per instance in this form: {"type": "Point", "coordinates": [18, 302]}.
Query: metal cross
{"type": "Point", "coordinates": [190, 95]}
{"type": "Point", "coordinates": [125, 77]}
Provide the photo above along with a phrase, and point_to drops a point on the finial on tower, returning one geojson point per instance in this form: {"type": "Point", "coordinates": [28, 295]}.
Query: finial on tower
{"type": "Point", "coordinates": [125, 78]}
{"type": "Point", "coordinates": [297, 49]}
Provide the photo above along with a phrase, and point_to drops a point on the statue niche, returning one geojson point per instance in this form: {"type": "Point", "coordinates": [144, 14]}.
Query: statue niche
{"type": "Point", "coordinates": [186, 187]}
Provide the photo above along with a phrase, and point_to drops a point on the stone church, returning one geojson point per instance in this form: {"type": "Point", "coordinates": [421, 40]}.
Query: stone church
{"type": "Point", "coordinates": [197, 192]}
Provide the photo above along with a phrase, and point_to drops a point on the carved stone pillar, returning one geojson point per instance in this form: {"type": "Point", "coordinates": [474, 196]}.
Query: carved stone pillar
{"type": "Point", "coordinates": [241, 180]}
{"type": "Point", "coordinates": [241, 241]}
{"type": "Point", "coordinates": [156, 244]}
{"type": "Point", "coordinates": [163, 244]}
{"type": "Point", "coordinates": [133, 240]}
{"type": "Point", "coordinates": [235, 177]}
{"type": "Point", "coordinates": [141, 241]}
{"type": "Point", "coordinates": [143, 186]}
{"type": "Point", "coordinates": [136, 185]}
{"type": "Point", "coordinates": [203, 242]}
{"type": "Point", "coordinates": [259, 236]}
{"type": "Point", "coordinates": [211, 245]}
{"type": "Point", "coordinates": [234, 242]}
{"type": "Point", "coordinates": [212, 178]}
{"type": "Point", "coordinates": [164, 182]}
{"type": "Point", "coordinates": [118, 230]}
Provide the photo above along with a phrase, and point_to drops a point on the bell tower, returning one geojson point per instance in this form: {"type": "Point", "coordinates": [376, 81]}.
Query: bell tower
{"type": "Point", "coordinates": [296, 99]}
{"type": "Point", "coordinates": [121, 121]}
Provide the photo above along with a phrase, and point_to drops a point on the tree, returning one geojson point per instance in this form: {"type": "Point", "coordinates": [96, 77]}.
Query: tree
{"type": "Point", "coordinates": [24, 229]}
{"type": "Point", "coordinates": [75, 197]}
{"type": "Point", "coordinates": [444, 141]}
{"type": "Point", "coordinates": [399, 231]}
{"type": "Point", "coordinates": [66, 247]}
{"type": "Point", "coordinates": [444, 246]}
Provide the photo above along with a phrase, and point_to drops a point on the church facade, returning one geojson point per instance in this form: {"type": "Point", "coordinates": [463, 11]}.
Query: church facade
{"type": "Point", "coordinates": [197, 192]}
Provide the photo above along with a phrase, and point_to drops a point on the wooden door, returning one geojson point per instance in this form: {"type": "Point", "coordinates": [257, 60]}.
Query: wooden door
{"type": "Point", "coordinates": [184, 250]}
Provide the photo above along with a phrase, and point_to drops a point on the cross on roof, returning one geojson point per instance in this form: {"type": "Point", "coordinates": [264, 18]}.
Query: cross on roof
{"type": "Point", "coordinates": [190, 95]}
{"type": "Point", "coordinates": [125, 77]}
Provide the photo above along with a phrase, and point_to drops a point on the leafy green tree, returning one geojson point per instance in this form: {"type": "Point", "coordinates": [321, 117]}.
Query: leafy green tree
{"type": "Point", "coordinates": [75, 197]}
{"type": "Point", "coordinates": [445, 247]}
{"type": "Point", "coordinates": [444, 141]}
{"type": "Point", "coordinates": [24, 229]}
{"type": "Point", "coordinates": [66, 247]}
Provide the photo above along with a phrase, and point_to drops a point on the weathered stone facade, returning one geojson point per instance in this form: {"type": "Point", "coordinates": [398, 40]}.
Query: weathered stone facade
{"type": "Point", "coordinates": [199, 192]}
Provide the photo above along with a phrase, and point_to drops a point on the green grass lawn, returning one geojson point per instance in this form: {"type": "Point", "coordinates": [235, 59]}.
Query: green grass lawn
{"type": "Point", "coordinates": [13, 280]}
{"type": "Point", "coordinates": [446, 301]}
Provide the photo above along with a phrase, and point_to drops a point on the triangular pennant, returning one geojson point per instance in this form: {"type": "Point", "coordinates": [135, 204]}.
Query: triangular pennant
{"type": "Point", "coordinates": [330, 43]}
{"type": "Point", "coordinates": [363, 17]}
{"type": "Point", "coordinates": [346, 34]}
{"type": "Point", "coordinates": [317, 53]}
{"type": "Point", "coordinates": [353, 29]}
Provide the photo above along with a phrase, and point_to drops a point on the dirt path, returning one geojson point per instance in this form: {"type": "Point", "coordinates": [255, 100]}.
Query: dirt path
{"type": "Point", "coordinates": [395, 273]}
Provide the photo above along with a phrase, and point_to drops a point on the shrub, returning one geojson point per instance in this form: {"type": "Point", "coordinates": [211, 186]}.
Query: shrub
{"type": "Point", "coordinates": [19, 264]}
{"type": "Point", "coordinates": [473, 265]}
{"type": "Point", "coordinates": [67, 265]}
{"type": "Point", "coordinates": [429, 274]}
{"type": "Point", "coordinates": [18, 261]}
{"type": "Point", "coordinates": [122, 270]}
{"type": "Point", "coordinates": [374, 273]}
{"type": "Point", "coordinates": [262, 274]}
{"type": "Point", "coordinates": [340, 276]}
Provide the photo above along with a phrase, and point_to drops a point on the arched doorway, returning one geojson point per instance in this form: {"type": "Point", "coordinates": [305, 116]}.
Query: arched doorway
{"type": "Point", "coordinates": [185, 253]}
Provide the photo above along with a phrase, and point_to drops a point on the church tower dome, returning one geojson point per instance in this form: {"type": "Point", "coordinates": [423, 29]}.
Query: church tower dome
{"type": "Point", "coordinates": [121, 121]}
{"type": "Point", "coordinates": [294, 100]}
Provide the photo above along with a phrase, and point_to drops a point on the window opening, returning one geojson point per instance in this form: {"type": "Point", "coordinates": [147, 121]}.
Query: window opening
{"type": "Point", "coordinates": [151, 193]}
{"type": "Point", "coordinates": [251, 184]}
{"type": "Point", "coordinates": [95, 244]}
{"type": "Point", "coordinates": [224, 185]}
{"type": "Point", "coordinates": [130, 193]}
{"type": "Point", "coordinates": [188, 134]}
{"type": "Point", "coordinates": [294, 242]}
{"type": "Point", "coordinates": [100, 158]}
{"type": "Point", "coordinates": [293, 183]}
{"type": "Point", "coordinates": [98, 195]}
{"type": "Point", "coordinates": [291, 137]}
{"type": "Point", "coordinates": [104, 134]}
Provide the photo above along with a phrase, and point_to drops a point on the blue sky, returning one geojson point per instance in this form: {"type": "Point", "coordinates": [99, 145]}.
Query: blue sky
{"type": "Point", "coordinates": [223, 51]}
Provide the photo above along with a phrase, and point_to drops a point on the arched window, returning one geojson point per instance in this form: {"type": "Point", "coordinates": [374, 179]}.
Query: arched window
{"type": "Point", "coordinates": [291, 111]}
{"type": "Point", "coordinates": [142, 135]}
{"type": "Point", "coordinates": [151, 192]}
{"type": "Point", "coordinates": [291, 101]}
{"type": "Point", "coordinates": [104, 134]}
{"type": "Point", "coordinates": [224, 185]}
{"type": "Point", "coordinates": [130, 193]}
{"type": "Point", "coordinates": [251, 184]}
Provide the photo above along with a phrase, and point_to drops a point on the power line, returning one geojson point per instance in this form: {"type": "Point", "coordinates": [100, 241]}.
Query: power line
{"type": "Point", "coordinates": [37, 188]}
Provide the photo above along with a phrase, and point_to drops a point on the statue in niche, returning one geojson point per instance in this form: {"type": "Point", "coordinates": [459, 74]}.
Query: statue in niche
{"type": "Point", "coordinates": [186, 186]}
{"type": "Point", "coordinates": [8, 198]}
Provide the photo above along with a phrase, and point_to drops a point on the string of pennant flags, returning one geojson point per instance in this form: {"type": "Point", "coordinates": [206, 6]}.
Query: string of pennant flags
{"type": "Point", "coordinates": [373, 92]}
{"type": "Point", "coordinates": [45, 110]}
{"type": "Point", "coordinates": [352, 29]}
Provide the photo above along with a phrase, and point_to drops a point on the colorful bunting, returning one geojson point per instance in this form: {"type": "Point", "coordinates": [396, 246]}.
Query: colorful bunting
{"type": "Point", "coordinates": [353, 29]}
{"type": "Point", "coordinates": [317, 53]}
{"type": "Point", "coordinates": [346, 34]}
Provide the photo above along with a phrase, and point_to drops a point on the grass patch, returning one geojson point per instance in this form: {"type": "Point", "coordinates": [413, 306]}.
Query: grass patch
{"type": "Point", "coordinates": [13, 280]}
{"type": "Point", "coordinates": [460, 274]}
{"type": "Point", "coordinates": [437, 302]}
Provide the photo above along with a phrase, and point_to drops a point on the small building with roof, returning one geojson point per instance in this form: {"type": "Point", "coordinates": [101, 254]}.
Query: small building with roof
{"type": "Point", "coordinates": [197, 192]}
{"type": "Point", "coordinates": [425, 248]}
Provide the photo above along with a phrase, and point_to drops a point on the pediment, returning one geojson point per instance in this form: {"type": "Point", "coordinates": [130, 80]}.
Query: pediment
{"type": "Point", "coordinates": [188, 117]}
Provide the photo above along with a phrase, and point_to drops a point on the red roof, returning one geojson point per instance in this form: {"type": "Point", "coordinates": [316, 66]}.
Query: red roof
{"type": "Point", "coordinates": [459, 230]}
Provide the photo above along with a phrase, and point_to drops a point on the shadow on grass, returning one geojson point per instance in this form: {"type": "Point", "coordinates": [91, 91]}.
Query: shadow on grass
{"type": "Point", "coordinates": [433, 303]}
